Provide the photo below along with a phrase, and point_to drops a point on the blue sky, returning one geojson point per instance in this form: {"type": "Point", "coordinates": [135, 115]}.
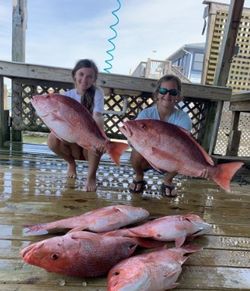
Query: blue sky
{"type": "Point", "coordinates": [59, 32]}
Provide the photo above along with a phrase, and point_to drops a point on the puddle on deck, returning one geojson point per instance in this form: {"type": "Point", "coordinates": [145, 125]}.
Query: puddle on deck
{"type": "Point", "coordinates": [35, 189]}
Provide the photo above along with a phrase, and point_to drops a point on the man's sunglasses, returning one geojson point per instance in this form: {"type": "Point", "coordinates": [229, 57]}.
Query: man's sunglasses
{"type": "Point", "coordinates": [172, 92]}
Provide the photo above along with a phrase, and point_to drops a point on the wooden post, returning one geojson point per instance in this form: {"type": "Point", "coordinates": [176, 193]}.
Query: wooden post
{"type": "Point", "coordinates": [19, 23]}
{"type": "Point", "coordinates": [204, 137]}
{"type": "Point", "coordinates": [234, 135]}
{"type": "Point", "coordinates": [4, 117]}
{"type": "Point", "coordinates": [209, 37]}
{"type": "Point", "coordinates": [225, 59]}
{"type": "Point", "coordinates": [1, 112]}
{"type": "Point", "coordinates": [148, 68]}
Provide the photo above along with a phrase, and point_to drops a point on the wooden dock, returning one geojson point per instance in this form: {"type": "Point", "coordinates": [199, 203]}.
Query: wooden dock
{"type": "Point", "coordinates": [34, 189]}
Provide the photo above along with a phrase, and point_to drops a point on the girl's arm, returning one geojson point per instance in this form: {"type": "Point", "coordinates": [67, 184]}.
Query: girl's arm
{"type": "Point", "coordinates": [98, 117]}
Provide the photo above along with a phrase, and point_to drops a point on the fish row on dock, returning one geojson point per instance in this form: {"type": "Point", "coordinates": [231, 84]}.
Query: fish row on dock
{"type": "Point", "coordinates": [88, 254]}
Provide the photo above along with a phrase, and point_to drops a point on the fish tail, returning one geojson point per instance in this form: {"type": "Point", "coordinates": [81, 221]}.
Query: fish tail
{"type": "Point", "coordinates": [115, 149]}
{"type": "Point", "coordinates": [224, 173]}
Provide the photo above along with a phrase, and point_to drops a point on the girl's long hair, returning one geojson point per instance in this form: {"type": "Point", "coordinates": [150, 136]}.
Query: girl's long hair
{"type": "Point", "coordinates": [88, 98]}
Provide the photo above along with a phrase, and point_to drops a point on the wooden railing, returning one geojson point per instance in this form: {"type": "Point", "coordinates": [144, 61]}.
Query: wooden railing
{"type": "Point", "coordinates": [125, 96]}
{"type": "Point", "coordinates": [155, 69]}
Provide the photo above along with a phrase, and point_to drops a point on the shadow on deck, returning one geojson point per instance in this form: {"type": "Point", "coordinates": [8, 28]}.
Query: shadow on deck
{"type": "Point", "coordinates": [34, 188]}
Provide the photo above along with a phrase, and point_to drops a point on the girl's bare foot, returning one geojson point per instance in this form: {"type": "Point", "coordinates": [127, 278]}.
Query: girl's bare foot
{"type": "Point", "coordinates": [71, 173]}
{"type": "Point", "coordinates": [90, 185]}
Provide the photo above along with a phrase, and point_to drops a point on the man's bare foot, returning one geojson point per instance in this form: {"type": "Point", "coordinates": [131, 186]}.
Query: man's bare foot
{"type": "Point", "coordinates": [71, 173]}
{"type": "Point", "coordinates": [90, 185]}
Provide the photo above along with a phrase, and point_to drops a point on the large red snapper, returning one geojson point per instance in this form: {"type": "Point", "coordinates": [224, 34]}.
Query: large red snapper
{"type": "Point", "coordinates": [155, 271]}
{"type": "Point", "coordinates": [168, 228]}
{"type": "Point", "coordinates": [98, 220]}
{"type": "Point", "coordinates": [70, 121]}
{"type": "Point", "coordinates": [170, 148]}
{"type": "Point", "coordinates": [80, 253]}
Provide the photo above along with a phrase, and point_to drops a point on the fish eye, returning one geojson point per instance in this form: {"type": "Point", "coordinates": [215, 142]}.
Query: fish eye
{"type": "Point", "coordinates": [116, 273]}
{"type": "Point", "coordinates": [143, 126]}
{"type": "Point", "coordinates": [54, 257]}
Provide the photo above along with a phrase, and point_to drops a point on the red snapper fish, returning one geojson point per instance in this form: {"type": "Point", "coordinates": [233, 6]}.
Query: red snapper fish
{"type": "Point", "coordinates": [170, 148]}
{"type": "Point", "coordinates": [80, 253]}
{"type": "Point", "coordinates": [155, 271]}
{"type": "Point", "coordinates": [71, 121]}
{"type": "Point", "coordinates": [168, 228]}
{"type": "Point", "coordinates": [98, 220]}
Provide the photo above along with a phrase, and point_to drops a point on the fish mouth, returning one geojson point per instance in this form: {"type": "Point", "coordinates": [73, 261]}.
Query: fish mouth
{"type": "Point", "coordinates": [27, 252]}
{"type": "Point", "coordinates": [203, 230]}
{"type": "Point", "coordinates": [125, 130]}
{"type": "Point", "coordinates": [35, 101]}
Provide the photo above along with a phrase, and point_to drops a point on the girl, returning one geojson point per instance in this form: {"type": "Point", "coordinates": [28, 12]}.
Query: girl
{"type": "Point", "coordinates": [84, 75]}
{"type": "Point", "coordinates": [167, 94]}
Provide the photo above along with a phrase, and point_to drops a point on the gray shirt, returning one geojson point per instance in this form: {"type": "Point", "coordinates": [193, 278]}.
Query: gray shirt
{"type": "Point", "coordinates": [178, 117]}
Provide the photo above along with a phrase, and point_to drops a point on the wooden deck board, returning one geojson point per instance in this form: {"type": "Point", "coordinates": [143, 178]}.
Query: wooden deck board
{"type": "Point", "coordinates": [34, 189]}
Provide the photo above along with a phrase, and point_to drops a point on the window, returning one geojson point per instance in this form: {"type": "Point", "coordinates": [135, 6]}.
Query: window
{"type": "Point", "coordinates": [198, 62]}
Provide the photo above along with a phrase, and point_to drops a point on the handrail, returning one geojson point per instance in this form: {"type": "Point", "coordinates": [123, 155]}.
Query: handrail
{"type": "Point", "coordinates": [129, 95]}
{"type": "Point", "coordinates": [242, 96]}
{"type": "Point", "coordinates": [122, 82]}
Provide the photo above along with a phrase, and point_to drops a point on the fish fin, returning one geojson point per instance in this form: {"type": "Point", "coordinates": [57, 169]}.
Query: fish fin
{"type": "Point", "coordinates": [224, 173]}
{"type": "Point", "coordinates": [179, 241]}
{"type": "Point", "coordinates": [53, 132]}
{"type": "Point", "coordinates": [182, 260]}
{"type": "Point", "coordinates": [85, 235]}
{"type": "Point", "coordinates": [174, 285]}
{"type": "Point", "coordinates": [191, 248]}
{"type": "Point", "coordinates": [172, 273]}
{"type": "Point", "coordinates": [187, 249]}
{"type": "Point", "coordinates": [35, 227]}
{"type": "Point", "coordinates": [118, 232]}
{"type": "Point", "coordinates": [204, 153]}
{"type": "Point", "coordinates": [79, 228]}
{"type": "Point", "coordinates": [117, 209]}
{"type": "Point", "coordinates": [59, 117]}
{"type": "Point", "coordinates": [115, 149]}
{"type": "Point", "coordinates": [149, 243]}
{"type": "Point", "coordinates": [162, 155]}
{"type": "Point", "coordinates": [157, 151]}
{"type": "Point", "coordinates": [156, 168]}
